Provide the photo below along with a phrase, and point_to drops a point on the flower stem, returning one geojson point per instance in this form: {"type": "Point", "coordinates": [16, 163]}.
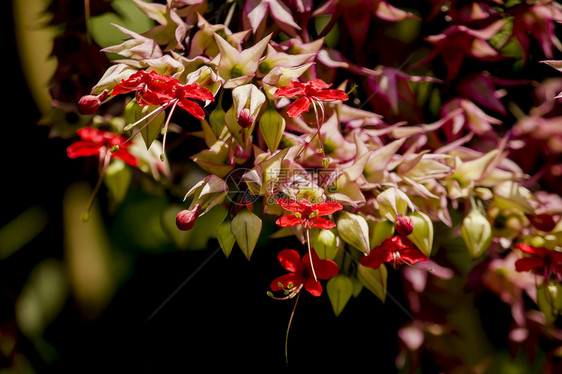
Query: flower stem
{"type": "Point", "coordinates": [106, 157]}
{"type": "Point", "coordinates": [288, 328]}
{"type": "Point", "coordinates": [310, 254]}
{"type": "Point", "coordinates": [165, 129]}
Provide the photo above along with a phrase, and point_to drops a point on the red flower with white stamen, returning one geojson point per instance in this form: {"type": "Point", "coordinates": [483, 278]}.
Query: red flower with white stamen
{"type": "Point", "coordinates": [308, 214]}
{"type": "Point", "coordinates": [301, 272]}
{"type": "Point", "coordinates": [307, 93]}
{"type": "Point", "coordinates": [99, 143]}
{"type": "Point", "coordinates": [396, 250]}
{"type": "Point", "coordinates": [543, 260]}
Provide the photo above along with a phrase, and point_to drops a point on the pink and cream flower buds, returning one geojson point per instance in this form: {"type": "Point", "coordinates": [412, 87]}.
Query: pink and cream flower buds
{"type": "Point", "coordinates": [185, 219]}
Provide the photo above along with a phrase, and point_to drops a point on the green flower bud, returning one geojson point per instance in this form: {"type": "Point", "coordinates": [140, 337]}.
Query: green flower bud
{"type": "Point", "coordinates": [354, 230]}
{"type": "Point", "coordinates": [272, 126]}
{"type": "Point", "coordinates": [476, 232]}
{"type": "Point", "coordinates": [326, 244]}
{"type": "Point", "coordinates": [422, 234]}
{"type": "Point", "coordinates": [379, 231]}
{"type": "Point", "coordinates": [246, 229]}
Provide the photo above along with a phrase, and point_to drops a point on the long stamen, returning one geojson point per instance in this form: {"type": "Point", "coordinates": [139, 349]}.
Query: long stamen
{"type": "Point", "coordinates": [165, 129]}
{"type": "Point", "coordinates": [310, 254]}
{"type": "Point", "coordinates": [321, 145]}
{"type": "Point", "coordinates": [116, 147]}
{"type": "Point", "coordinates": [154, 112]}
{"type": "Point", "coordinates": [288, 328]}
{"type": "Point", "coordinates": [106, 156]}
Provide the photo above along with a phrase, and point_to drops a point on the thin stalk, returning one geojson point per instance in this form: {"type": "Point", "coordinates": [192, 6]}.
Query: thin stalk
{"type": "Point", "coordinates": [310, 254]}
{"type": "Point", "coordinates": [288, 328]}
{"type": "Point", "coordinates": [105, 157]}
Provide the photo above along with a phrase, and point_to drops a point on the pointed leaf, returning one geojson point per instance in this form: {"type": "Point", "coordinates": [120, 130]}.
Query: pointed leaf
{"type": "Point", "coordinates": [340, 290]}
{"type": "Point", "coordinates": [549, 300]}
{"type": "Point", "coordinates": [354, 230]}
{"type": "Point", "coordinates": [422, 236]}
{"type": "Point", "coordinates": [246, 228]}
{"type": "Point", "coordinates": [117, 179]}
{"type": "Point", "coordinates": [225, 237]}
{"type": "Point", "coordinates": [272, 126]}
{"type": "Point", "coordinates": [374, 280]}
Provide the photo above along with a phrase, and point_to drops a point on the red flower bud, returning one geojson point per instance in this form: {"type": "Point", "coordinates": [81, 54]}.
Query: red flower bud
{"type": "Point", "coordinates": [404, 225]}
{"type": "Point", "coordinates": [245, 119]}
{"type": "Point", "coordinates": [543, 222]}
{"type": "Point", "coordinates": [89, 104]}
{"type": "Point", "coordinates": [186, 218]}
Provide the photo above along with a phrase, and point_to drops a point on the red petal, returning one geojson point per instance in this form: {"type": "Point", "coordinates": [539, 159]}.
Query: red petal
{"type": "Point", "coordinates": [190, 107]}
{"type": "Point", "coordinates": [290, 260]}
{"type": "Point", "coordinates": [298, 107]}
{"type": "Point", "coordinates": [318, 84]}
{"type": "Point", "coordinates": [376, 258]}
{"type": "Point", "coordinates": [90, 134]}
{"type": "Point", "coordinates": [195, 91]}
{"type": "Point", "coordinates": [328, 207]}
{"type": "Point", "coordinates": [412, 255]}
{"type": "Point", "coordinates": [323, 223]}
{"type": "Point", "coordinates": [331, 95]}
{"type": "Point", "coordinates": [289, 220]}
{"type": "Point", "coordinates": [313, 286]}
{"type": "Point", "coordinates": [538, 251]}
{"type": "Point", "coordinates": [126, 156]}
{"type": "Point", "coordinates": [83, 149]}
{"type": "Point", "coordinates": [324, 269]}
{"type": "Point", "coordinates": [528, 263]}
{"type": "Point", "coordinates": [294, 88]}
{"type": "Point", "coordinates": [288, 204]}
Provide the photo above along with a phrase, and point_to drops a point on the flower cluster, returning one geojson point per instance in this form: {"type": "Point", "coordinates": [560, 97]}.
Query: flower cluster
{"type": "Point", "coordinates": [427, 166]}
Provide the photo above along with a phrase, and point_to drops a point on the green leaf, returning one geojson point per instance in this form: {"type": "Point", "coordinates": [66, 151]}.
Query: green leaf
{"type": "Point", "coordinates": [117, 179]}
{"type": "Point", "coordinates": [354, 230]}
{"type": "Point", "coordinates": [380, 230]}
{"type": "Point", "coordinates": [150, 126]}
{"type": "Point", "coordinates": [272, 126]}
{"type": "Point", "coordinates": [325, 244]}
{"type": "Point", "coordinates": [225, 237]}
{"type": "Point", "coordinates": [422, 236]}
{"type": "Point", "coordinates": [151, 130]}
{"type": "Point", "coordinates": [246, 229]}
{"type": "Point", "coordinates": [374, 280]}
{"type": "Point", "coordinates": [340, 290]}
{"type": "Point", "coordinates": [549, 300]}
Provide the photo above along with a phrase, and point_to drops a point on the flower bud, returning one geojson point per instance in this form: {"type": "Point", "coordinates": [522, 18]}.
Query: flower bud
{"type": "Point", "coordinates": [326, 244]}
{"type": "Point", "coordinates": [354, 230]}
{"type": "Point", "coordinates": [543, 222]}
{"type": "Point", "coordinates": [89, 104]}
{"type": "Point", "coordinates": [272, 126]}
{"type": "Point", "coordinates": [422, 233]}
{"type": "Point", "coordinates": [245, 118]}
{"type": "Point", "coordinates": [404, 225]}
{"type": "Point", "coordinates": [476, 232]}
{"type": "Point", "coordinates": [186, 218]}
{"type": "Point", "coordinates": [246, 229]}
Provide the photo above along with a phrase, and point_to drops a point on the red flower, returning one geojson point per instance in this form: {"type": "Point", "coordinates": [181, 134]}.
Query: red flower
{"type": "Point", "coordinates": [395, 249]}
{"type": "Point", "coordinates": [307, 214]}
{"type": "Point", "coordinates": [96, 142]}
{"type": "Point", "coordinates": [301, 273]}
{"type": "Point", "coordinates": [543, 260]}
{"type": "Point", "coordinates": [152, 88]}
{"type": "Point", "coordinates": [307, 93]}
